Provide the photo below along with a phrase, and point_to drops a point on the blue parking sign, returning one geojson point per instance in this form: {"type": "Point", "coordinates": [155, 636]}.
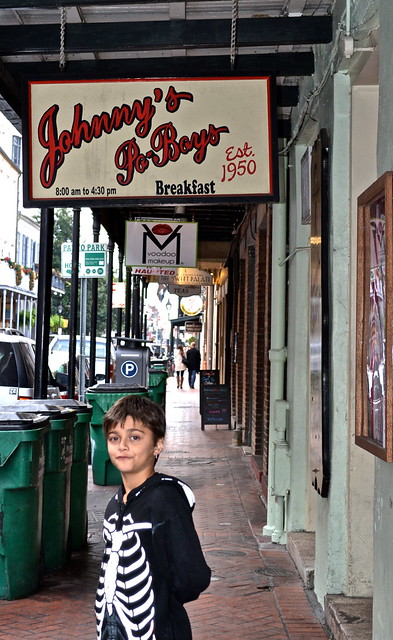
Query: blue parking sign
{"type": "Point", "coordinates": [129, 369]}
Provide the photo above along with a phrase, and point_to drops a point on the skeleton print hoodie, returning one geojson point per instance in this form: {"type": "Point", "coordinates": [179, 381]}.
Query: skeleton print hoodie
{"type": "Point", "coordinates": [152, 564]}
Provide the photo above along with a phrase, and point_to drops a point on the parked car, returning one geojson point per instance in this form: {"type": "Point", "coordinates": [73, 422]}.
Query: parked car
{"type": "Point", "coordinates": [17, 362]}
{"type": "Point", "coordinates": [59, 349]}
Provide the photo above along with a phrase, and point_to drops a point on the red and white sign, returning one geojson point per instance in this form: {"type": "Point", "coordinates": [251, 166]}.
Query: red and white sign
{"type": "Point", "coordinates": [166, 140]}
{"type": "Point", "coordinates": [118, 295]}
{"type": "Point", "coordinates": [159, 243]}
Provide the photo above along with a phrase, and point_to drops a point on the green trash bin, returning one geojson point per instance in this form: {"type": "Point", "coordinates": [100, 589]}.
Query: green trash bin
{"type": "Point", "coordinates": [22, 461]}
{"type": "Point", "coordinates": [101, 397]}
{"type": "Point", "coordinates": [57, 480]}
{"type": "Point", "coordinates": [159, 364]}
{"type": "Point", "coordinates": [157, 386]}
{"type": "Point", "coordinates": [79, 470]}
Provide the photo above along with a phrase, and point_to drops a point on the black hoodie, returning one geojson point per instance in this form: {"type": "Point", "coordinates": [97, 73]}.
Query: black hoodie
{"type": "Point", "coordinates": [152, 564]}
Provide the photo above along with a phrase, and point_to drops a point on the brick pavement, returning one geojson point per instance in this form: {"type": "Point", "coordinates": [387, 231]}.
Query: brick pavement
{"type": "Point", "coordinates": [255, 593]}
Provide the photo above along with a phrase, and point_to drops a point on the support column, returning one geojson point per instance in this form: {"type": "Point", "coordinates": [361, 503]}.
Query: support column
{"type": "Point", "coordinates": [4, 307]}
{"type": "Point", "coordinates": [277, 356]}
{"type": "Point", "coordinates": [43, 303]}
{"type": "Point", "coordinates": [136, 328]}
{"type": "Point", "coordinates": [108, 331]}
{"type": "Point", "coordinates": [127, 311]}
{"type": "Point", "coordinates": [209, 329]}
{"type": "Point", "coordinates": [74, 302]}
{"type": "Point", "coordinates": [11, 309]}
{"type": "Point", "coordinates": [120, 311]}
{"type": "Point", "coordinates": [94, 307]}
{"type": "Point", "coordinates": [30, 318]}
{"type": "Point", "coordinates": [18, 311]}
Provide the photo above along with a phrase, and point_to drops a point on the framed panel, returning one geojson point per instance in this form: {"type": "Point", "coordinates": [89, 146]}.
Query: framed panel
{"type": "Point", "coordinates": [319, 357]}
{"type": "Point", "coordinates": [305, 173]}
{"type": "Point", "coordinates": [374, 320]}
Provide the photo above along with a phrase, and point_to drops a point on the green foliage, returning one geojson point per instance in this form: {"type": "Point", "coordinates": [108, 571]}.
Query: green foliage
{"type": "Point", "coordinates": [25, 315]}
{"type": "Point", "coordinates": [63, 233]}
{"type": "Point", "coordinates": [56, 322]}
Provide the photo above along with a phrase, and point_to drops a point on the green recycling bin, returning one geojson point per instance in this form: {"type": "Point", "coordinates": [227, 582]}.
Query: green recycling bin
{"type": "Point", "coordinates": [57, 480]}
{"type": "Point", "coordinates": [79, 470]}
{"type": "Point", "coordinates": [157, 386]}
{"type": "Point", "coordinates": [102, 396]}
{"type": "Point", "coordinates": [22, 461]}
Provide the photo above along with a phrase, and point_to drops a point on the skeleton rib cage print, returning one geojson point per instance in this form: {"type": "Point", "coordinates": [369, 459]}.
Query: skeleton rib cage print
{"type": "Point", "coordinates": [125, 585]}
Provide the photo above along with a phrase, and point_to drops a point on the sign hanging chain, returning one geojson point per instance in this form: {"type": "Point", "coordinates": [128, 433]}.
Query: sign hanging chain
{"type": "Point", "coordinates": [63, 22]}
{"type": "Point", "coordinates": [235, 8]}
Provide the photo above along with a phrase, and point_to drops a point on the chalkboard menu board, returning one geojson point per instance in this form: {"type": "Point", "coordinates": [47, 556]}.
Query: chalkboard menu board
{"type": "Point", "coordinates": [216, 405]}
{"type": "Point", "coordinates": [207, 377]}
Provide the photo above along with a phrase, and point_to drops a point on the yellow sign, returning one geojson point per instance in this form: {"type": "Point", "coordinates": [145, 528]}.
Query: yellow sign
{"type": "Point", "coordinates": [191, 306]}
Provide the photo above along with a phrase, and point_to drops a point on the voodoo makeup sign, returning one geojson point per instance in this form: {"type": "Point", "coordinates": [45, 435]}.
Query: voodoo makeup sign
{"type": "Point", "coordinates": [153, 140]}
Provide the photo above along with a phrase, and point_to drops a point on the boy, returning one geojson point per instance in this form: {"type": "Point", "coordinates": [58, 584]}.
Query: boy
{"type": "Point", "coordinates": [153, 562]}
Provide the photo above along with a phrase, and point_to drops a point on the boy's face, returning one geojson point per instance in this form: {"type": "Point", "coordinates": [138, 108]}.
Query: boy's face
{"type": "Point", "coordinates": [132, 450]}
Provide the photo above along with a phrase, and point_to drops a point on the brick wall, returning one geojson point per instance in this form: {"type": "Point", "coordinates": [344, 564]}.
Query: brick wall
{"type": "Point", "coordinates": [261, 368]}
{"type": "Point", "coordinates": [237, 342]}
{"type": "Point", "coordinates": [250, 340]}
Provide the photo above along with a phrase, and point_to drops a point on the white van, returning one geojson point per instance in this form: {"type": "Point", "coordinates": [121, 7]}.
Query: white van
{"type": "Point", "coordinates": [59, 349]}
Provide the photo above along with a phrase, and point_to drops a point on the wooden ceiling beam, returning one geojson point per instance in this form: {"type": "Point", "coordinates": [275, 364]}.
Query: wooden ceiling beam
{"type": "Point", "coordinates": [279, 64]}
{"type": "Point", "coordinates": [43, 39]}
{"type": "Point", "coordinates": [53, 4]}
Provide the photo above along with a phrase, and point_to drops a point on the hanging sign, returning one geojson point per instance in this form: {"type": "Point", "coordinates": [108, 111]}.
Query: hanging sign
{"type": "Point", "coordinates": [153, 271]}
{"type": "Point", "coordinates": [191, 306]}
{"type": "Point", "coordinates": [183, 290]}
{"type": "Point", "coordinates": [193, 327]}
{"type": "Point", "coordinates": [153, 140]}
{"type": "Point", "coordinates": [162, 244]}
{"type": "Point", "coordinates": [188, 277]}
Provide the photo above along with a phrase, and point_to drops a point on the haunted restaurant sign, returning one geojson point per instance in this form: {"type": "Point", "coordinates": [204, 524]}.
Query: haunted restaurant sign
{"type": "Point", "coordinates": [152, 141]}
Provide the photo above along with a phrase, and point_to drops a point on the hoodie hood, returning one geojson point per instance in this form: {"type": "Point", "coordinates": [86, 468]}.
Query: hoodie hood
{"type": "Point", "coordinates": [155, 481]}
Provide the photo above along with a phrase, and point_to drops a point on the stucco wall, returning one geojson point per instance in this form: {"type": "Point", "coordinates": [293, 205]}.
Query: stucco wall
{"type": "Point", "coordinates": [361, 463]}
{"type": "Point", "coordinates": [343, 520]}
{"type": "Point", "coordinates": [301, 502]}
{"type": "Point", "coordinates": [383, 513]}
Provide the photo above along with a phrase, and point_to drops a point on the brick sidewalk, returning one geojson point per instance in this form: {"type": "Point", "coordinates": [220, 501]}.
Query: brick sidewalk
{"type": "Point", "coordinates": [255, 593]}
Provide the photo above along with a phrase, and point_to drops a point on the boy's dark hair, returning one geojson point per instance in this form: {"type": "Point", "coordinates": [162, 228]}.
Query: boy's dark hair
{"type": "Point", "coordinates": [139, 408]}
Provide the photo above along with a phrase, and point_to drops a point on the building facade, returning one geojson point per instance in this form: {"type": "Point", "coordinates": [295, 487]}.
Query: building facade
{"type": "Point", "coordinates": [295, 285]}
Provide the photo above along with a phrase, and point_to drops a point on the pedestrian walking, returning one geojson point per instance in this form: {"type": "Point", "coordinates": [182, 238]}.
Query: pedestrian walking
{"type": "Point", "coordinates": [193, 364]}
{"type": "Point", "coordinates": [180, 365]}
{"type": "Point", "coordinates": [153, 562]}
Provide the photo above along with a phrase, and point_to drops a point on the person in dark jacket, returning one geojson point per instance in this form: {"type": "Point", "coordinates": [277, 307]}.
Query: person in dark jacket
{"type": "Point", "coordinates": [193, 364]}
{"type": "Point", "coordinates": [153, 562]}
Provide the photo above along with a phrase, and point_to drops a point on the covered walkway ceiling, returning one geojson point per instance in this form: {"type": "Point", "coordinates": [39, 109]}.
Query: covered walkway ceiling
{"type": "Point", "coordinates": [163, 39]}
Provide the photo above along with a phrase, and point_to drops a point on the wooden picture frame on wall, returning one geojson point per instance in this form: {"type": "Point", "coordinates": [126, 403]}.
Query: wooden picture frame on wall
{"type": "Point", "coordinates": [374, 391]}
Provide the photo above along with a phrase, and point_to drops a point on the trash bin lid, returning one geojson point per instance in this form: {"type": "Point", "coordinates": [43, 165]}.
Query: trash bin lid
{"type": "Point", "coordinates": [21, 420]}
{"type": "Point", "coordinates": [108, 387]}
{"type": "Point", "coordinates": [69, 403]}
{"type": "Point", "coordinates": [35, 406]}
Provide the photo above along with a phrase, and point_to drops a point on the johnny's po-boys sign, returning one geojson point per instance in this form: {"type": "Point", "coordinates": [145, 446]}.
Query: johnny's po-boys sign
{"type": "Point", "coordinates": [154, 140]}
